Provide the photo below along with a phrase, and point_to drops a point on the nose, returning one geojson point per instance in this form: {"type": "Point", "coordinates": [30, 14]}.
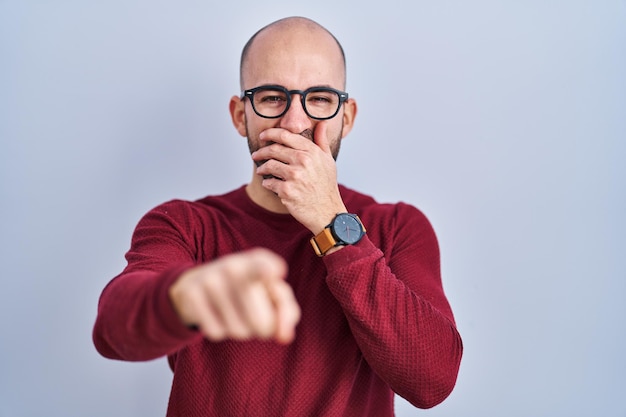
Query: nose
{"type": "Point", "coordinates": [295, 120]}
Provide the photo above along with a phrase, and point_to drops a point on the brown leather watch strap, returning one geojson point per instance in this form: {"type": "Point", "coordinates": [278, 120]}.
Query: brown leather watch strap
{"type": "Point", "coordinates": [323, 242]}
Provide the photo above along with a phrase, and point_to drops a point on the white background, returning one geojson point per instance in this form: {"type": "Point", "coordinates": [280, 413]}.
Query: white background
{"type": "Point", "coordinates": [504, 121]}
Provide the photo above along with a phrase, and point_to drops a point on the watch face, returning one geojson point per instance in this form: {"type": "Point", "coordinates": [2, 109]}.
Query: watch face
{"type": "Point", "coordinates": [347, 229]}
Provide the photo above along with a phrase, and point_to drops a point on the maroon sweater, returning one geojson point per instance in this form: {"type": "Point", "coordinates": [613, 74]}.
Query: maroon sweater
{"type": "Point", "coordinates": [375, 319]}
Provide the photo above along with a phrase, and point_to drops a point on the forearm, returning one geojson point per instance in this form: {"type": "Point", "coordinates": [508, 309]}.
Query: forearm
{"type": "Point", "coordinates": [136, 320]}
{"type": "Point", "coordinates": [406, 340]}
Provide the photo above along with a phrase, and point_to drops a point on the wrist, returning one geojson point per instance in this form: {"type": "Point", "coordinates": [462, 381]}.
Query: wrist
{"type": "Point", "coordinates": [324, 220]}
{"type": "Point", "coordinates": [344, 229]}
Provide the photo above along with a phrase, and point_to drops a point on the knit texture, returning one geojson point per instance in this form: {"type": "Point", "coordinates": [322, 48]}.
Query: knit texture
{"type": "Point", "coordinates": [375, 319]}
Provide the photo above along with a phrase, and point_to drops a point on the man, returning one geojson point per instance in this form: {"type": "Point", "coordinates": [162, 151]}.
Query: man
{"type": "Point", "coordinates": [274, 299]}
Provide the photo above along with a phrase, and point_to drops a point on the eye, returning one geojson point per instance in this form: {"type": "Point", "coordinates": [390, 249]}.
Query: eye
{"type": "Point", "coordinates": [321, 98]}
{"type": "Point", "coordinates": [270, 97]}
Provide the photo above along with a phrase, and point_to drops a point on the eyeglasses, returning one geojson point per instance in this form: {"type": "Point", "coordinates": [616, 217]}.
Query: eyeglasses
{"type": "Point", "coordinates": [273, 101]}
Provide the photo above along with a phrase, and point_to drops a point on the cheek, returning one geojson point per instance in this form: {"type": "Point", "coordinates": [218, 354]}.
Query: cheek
{"type": "Point", "coordinates": [334, 130]}
{"type": "Point", "coordinates": [252, 127]}
{"type": "Point", "coordinates": [256, 124]}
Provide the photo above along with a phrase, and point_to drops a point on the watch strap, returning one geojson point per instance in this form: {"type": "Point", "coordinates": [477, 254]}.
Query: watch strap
{"type": "Point", "coordinates": [323, 242]}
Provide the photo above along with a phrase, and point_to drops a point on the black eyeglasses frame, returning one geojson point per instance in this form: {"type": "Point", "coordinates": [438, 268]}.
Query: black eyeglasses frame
{"type": "Point", "coordinates": [343, 96]}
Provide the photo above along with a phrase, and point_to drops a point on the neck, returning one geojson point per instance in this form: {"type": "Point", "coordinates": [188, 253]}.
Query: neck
{"type": "Point", "coordinates": [263, 197]}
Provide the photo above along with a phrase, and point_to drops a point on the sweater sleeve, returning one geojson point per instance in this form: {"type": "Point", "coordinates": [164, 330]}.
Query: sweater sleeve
{"type": "Point", "coordinates": [136, 320]}
{"type": "Point", "coordinates": [397, 310]}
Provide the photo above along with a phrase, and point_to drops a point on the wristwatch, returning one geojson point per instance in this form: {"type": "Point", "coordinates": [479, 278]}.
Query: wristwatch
{"type": "Point", "coordinates": [345, 229]}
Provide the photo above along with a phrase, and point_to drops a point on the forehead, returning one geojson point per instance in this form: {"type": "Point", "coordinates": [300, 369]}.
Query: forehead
{"type": "Point", "coordinates": [296, 57]}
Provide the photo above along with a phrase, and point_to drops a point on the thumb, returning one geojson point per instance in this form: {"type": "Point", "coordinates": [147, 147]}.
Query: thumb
{"type": "Point", "coordinates": [320, 138]}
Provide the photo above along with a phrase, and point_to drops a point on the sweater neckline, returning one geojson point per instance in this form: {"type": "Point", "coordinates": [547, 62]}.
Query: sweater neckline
{"type": "Point", "coordinates": [243, 200]}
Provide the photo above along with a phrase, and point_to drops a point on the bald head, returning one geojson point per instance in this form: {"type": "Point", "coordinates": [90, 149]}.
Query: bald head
{"type": "Point", "coordinates": [290, 35]}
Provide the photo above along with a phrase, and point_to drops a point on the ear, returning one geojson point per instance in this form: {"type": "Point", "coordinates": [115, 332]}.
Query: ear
{"type": "Point", "coordinates": [237, 108]}
{"type": "Point", "coordinates": [349, 114]}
